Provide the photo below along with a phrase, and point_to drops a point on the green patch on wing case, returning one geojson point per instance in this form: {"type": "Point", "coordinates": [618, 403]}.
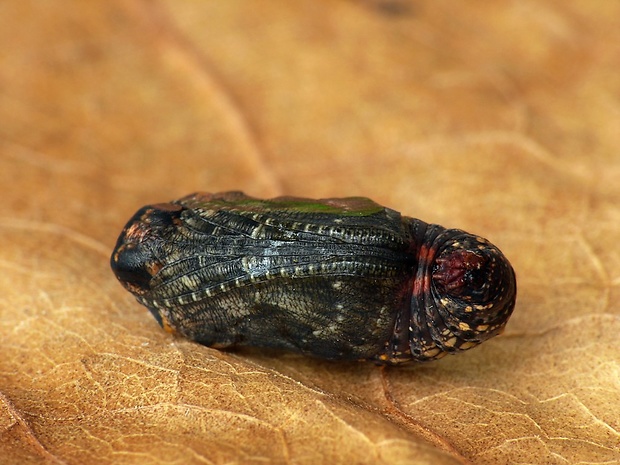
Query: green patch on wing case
{"type": "Point", "coordinates": [350, 206]}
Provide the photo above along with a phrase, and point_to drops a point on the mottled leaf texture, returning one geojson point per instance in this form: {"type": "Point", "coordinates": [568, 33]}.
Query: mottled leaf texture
{"type": "Point", "coordinates": [501, 118]}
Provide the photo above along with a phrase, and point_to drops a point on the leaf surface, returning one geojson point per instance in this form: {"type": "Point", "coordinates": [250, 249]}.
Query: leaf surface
{"type": "Point", "coordinates": [499, 118]}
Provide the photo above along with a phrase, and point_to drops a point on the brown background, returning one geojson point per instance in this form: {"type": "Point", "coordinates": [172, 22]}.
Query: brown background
{"type": "Point", "coordinates": [502, 118]}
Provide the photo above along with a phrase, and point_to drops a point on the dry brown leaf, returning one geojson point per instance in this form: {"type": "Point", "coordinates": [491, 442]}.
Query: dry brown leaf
{"type": "Point", "coordinates": [497, 117]}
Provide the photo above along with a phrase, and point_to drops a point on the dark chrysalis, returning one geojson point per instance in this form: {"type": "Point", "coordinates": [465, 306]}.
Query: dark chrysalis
{"type": "Point", "coordinates": [340, 279]}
